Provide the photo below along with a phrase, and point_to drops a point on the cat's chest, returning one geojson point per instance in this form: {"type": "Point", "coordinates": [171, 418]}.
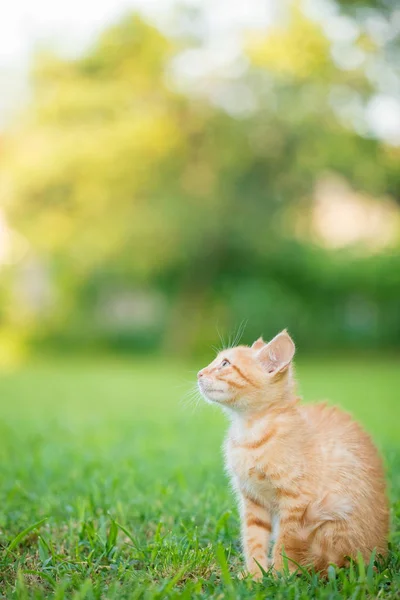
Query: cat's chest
{"type": "Point", "coordinates": [248, 470]}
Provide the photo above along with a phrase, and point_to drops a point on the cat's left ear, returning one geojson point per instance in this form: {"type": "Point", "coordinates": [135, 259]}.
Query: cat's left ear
{"type": "Point", "coordinates": [277, 355]}
{"type": "Point", "coordinates": [258, 344]}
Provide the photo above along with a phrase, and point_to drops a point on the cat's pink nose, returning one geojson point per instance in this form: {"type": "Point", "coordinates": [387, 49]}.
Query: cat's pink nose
{"type": "Point", "coordinates": [200, 374]}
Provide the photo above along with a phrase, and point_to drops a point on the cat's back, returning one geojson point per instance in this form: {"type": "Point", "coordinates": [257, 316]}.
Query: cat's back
{"type": "Point", "coordinates": [351, 469]}
{"type": "Point", "coordinates": [326, 418]}
{"type": "Point", "coordinates": [346, 448]}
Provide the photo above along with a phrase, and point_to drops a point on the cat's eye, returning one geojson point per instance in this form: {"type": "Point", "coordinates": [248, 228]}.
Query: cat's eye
{"type": "Point", "coordinates": [225, 363]}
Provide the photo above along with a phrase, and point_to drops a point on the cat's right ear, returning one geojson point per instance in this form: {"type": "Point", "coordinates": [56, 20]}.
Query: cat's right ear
{"type": "Point", "coordinates": [258, 344]}
{"type": "Point", "coordinates": [277, 355]}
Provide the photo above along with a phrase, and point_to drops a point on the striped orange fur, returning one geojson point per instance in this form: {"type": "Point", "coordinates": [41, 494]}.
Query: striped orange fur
{"type": "Point", "coordinates": [310, 468]}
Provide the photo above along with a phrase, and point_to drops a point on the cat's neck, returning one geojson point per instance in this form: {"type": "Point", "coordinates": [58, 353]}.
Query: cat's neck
{"type": "Point", "coordinates": [249, 423]}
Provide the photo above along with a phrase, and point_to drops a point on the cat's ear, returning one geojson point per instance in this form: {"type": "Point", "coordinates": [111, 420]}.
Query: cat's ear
{"type": "Point", "coordinates": [258, 344]}
{"type": "Point", "coordinates": [277, 355]}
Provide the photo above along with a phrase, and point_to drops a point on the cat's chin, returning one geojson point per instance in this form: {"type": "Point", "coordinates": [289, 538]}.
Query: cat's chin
{"type": "Point", "coordinates": [215, 400]}
{"type": "Point", "coordinates": [214, 395]}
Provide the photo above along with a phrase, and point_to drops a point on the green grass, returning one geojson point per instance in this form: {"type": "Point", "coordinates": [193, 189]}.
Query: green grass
{"type": "Point", "coordinates": [112, 488]}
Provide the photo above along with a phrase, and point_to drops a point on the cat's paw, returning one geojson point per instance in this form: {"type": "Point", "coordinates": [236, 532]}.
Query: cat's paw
{"type": "Point", "coordinates": [257, 575]}
{"type": "Point", "coordinates": [255, 572]}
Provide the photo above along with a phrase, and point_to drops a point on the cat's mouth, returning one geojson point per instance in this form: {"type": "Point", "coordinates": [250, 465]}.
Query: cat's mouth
{"type": "Point", "coordinates": [209, 390]}
{"type": "Point", "coordinates": [212, 393]}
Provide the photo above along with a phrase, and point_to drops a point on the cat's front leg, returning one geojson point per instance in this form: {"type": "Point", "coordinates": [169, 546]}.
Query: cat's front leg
{"type": "Point", "coordinates": [256, 532]}
{"type": "Point", "coordinates": [293, 538]}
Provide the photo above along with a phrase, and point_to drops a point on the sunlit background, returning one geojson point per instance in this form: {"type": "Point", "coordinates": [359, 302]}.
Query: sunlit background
{"type": "Point", "coordinates": [168, 170]}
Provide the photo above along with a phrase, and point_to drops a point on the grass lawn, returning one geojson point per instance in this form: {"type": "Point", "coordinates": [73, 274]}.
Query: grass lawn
{"type": "Point", "coordinates": [112, 488]}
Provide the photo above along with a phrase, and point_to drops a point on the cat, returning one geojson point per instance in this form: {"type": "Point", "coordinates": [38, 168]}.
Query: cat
{"type": "Point", "coordinates": [311, 468]}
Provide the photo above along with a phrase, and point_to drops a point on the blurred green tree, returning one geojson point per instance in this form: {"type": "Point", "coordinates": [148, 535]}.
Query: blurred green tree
{"type": "Point", "coordinates": [119, 183]}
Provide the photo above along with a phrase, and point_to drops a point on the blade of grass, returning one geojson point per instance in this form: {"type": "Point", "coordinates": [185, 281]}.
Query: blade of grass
{"type": "Point", "coordinates": [223, 563]}
{"type": "Point", "coordinates": [45, 576]}
{"type": "Point", "coordinates": [172, 582]}
{"type": "Point", "coordinates": [361, 568]}
{"type": "Point", "coordinates": [303, 570]}
{"type": "Point", "coordinates": [131, 537]}
{"type": "Point", "coordinates": [112, 537]}
{"type": "Point", "coordinates": [22, 534]}
{"type": "Point", "coordinates": [370, 571]}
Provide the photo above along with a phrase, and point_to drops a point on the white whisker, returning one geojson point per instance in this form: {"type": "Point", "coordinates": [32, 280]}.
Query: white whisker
{"type": "Point", "coordinates": [191, 399]}
{"type": "Point", "coordinates": [240, 332]}
{"type": "Point", "coordinates": [222, 340]}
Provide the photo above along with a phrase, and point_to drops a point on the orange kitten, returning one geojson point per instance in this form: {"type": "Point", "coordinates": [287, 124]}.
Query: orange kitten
{"type": "Point", "coordinates": [310, 468]}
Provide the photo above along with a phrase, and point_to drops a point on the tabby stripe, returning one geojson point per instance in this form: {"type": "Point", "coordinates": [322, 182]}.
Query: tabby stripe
{"type": "Point", "coordinates": [290, 519]}
{"type": "Point", "coordinates": [256, 547]}
{"type": "Point", "coordinates": [282, 493]}
{"type": "Point", "coordinates": [266, 437]}
{"type": "Point", "coordinates": [259, 523]}
{"type": "Point", "coordinates": [253, 500]}
{"type": "Point", "coordinates": [242, 375]}
{"type": "Point", "coordinates": [297, 510]}
{"type": "Point", "coordinates": [275, 476]}
{"type": "Point", "coordinates": [294, 516]}
{"type": "Point", "coordinates": [230, 382]}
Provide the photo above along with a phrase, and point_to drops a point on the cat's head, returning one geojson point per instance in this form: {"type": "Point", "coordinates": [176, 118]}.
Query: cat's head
{"type": "Point", "coordinates": [248, 378]}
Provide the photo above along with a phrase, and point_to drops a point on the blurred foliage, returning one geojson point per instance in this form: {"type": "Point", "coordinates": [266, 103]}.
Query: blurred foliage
{"type": "Point", "coordinates": [384, 6]}
{"type": "Point", "coordinates": [150, 216]}
{"type": "Point", "coordinates": [299, 49]}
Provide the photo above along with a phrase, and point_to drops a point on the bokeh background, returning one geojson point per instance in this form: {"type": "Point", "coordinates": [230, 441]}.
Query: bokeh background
{"type": "Point", "coordinates": [170, 169]}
